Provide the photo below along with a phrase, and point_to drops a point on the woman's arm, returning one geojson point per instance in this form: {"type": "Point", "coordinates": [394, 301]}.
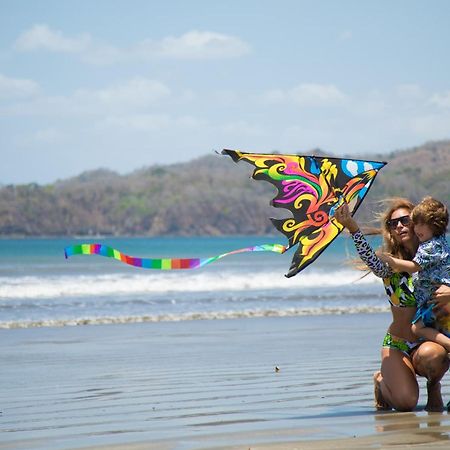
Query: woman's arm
{"type": "Point", "coordinates": [441, 300]}
{"type": "Point", "coordinates": [365, 251]}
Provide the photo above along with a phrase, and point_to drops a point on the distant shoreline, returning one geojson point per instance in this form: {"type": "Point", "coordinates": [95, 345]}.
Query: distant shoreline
{"type": "Point", "coordinates": [162, 236]}
{"type": "Point", "coordinates": [207, 196]}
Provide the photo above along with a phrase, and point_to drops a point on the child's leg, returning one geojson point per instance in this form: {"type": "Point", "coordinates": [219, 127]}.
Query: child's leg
{"type": "Point", "coordinates": [431, 334]}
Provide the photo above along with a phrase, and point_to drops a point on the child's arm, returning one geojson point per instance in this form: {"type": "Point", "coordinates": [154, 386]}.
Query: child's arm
{"type": "Point", "coordinates": [399, 265]}
{"type": "Point", "coordinates": [431, 334]}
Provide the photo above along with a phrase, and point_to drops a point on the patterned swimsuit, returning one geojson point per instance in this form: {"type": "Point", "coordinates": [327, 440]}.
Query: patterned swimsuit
{"type": "Point", "coordinates": [399, 288]}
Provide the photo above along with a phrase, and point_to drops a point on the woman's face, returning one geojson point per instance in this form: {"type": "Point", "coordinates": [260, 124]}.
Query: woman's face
{"type": "Point", "coordinates": [401, 226]}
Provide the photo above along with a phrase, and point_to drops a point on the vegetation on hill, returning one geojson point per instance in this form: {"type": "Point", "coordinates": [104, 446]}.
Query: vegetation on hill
{"type": "Point", "coordinates": [207, 196]}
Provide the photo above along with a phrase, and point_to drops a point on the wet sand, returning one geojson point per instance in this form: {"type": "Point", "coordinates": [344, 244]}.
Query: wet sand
{"type": "Point", "coordinates": [205, 385]}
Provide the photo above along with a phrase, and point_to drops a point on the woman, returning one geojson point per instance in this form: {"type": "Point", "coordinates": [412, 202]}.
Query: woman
{"type": "Point", "coordinates": [402, 355]}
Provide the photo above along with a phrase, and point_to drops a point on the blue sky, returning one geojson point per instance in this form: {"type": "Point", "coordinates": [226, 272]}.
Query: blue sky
{"type": "Point", "coordinates": [126, 84]}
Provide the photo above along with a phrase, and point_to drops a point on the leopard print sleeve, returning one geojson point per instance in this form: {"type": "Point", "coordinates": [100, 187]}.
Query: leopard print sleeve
{"type": "Point", "coordinates": [367, 254]}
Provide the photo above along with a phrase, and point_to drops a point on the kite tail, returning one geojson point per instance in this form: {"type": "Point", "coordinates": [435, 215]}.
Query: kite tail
{"type": "Point", "coordinates": [162, 263]}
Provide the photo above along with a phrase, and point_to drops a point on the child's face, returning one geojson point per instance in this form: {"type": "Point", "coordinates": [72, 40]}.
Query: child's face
{"type": "Point", "coordinates": [401, 227]}
{"type": "Point", "coordinates": [423, 231]}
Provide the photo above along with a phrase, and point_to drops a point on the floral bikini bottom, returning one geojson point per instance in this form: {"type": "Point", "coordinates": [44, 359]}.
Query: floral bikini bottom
{"type": "Point", "coordinates": [397, 343]}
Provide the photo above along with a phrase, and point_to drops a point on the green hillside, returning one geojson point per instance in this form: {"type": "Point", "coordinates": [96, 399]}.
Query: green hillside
{"type": "Point", "coordinates": [210, 195]}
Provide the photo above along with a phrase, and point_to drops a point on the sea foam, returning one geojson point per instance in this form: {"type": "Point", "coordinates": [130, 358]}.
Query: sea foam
{"type": "Point", "coordinates": [54, 287]}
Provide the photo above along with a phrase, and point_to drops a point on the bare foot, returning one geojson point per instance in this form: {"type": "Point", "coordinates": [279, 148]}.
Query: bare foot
{"type": "Point", "coordinates": [434, 403]}
{"type": "Point", "coordinates": [380, 402]}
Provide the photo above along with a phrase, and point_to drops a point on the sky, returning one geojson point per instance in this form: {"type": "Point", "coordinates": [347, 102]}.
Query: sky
{"type": "Point", "coordinates": [126, 84]}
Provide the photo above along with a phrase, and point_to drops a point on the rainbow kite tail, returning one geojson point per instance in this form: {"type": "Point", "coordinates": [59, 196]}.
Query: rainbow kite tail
{"type": "Point", "coordinates": [162, 263]}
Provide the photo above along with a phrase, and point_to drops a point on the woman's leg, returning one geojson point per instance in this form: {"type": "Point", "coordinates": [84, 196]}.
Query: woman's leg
{"type": "Point", "coordinates": [430, 360]}
{"type": "Point", "coordinates": [397, 381]}
{"type": "Point", "coordinates": [380, 402]}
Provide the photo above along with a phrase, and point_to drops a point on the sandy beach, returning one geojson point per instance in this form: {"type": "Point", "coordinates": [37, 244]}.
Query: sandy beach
{"type": "Point", "coordinates": [263, 383]}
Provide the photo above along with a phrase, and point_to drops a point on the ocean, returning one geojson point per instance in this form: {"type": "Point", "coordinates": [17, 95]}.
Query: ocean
{"type": "Point", "coordinates": [39, 287]}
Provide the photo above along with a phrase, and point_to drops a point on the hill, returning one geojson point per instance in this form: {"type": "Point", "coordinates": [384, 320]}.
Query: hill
{"type": "Point", "coordinates": [206, 196]}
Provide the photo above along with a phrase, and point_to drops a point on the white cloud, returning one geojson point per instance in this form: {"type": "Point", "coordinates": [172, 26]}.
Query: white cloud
{"type": "Point", "coordinates": [307, 94]}
{"type": "Point", "coordinates": [191, 45]}
{"type": "Point", "coordinates": [41, 37]}
{"type": "Point", "coordinates": [442, 99]}
{"type": "Point", "coordinates": [132, 95]}
{"type": "Point", "coordinates": [13, 88]}
{"type": "Point", "coordinates": [198, 45]}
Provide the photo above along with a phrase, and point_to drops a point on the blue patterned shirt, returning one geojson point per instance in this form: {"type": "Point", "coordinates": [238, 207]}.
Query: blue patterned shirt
{"type": "Point", "coordinates": [433, 256]}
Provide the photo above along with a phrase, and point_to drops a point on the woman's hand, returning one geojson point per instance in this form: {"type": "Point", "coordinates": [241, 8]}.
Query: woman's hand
{"type": "Point", "coordinates": [441, 300]}
{"type": "Point", "coordinates": [387, 259]}
{"type": "Point", "coordinates": [343, 216]}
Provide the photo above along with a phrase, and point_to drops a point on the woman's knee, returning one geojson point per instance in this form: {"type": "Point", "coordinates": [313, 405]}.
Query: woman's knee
{"type": "Point", "coordinates": [405, 403]}
{"type": "Point", "coordinates": [403, 399]}
{"type": "Point", "coordinates": [431, 361]}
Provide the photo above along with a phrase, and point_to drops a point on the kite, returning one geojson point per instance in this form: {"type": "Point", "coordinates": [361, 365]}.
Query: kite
{"type": "Point", "coordinates": [311, 188]}
{"type": "Point", "coordinates": [162, 263]}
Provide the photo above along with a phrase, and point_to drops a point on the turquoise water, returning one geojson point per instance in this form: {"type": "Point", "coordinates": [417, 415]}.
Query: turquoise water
{"type": "Point", "coordinates": [39, 287]}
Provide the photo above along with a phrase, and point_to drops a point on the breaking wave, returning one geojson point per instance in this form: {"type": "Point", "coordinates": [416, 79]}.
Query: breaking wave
{"type": "Point", "coordinates": [28, 287]}
{"type": "Point", "coordinates": [215, 315]}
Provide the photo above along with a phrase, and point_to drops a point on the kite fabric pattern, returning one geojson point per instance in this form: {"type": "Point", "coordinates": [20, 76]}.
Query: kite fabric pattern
{"type": "Point", "coordinates": [312, 188]}
{"type": "Point", "coordinates": [162, 263]}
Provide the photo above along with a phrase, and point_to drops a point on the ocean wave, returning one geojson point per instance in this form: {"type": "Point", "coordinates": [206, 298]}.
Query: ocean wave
{"type": "Point", "coordinates": [211, 315]}
{"type": "Point", "coordinates": [53, 287]}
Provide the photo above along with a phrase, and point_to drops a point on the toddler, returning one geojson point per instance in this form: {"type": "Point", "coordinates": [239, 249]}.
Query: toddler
{"type": "Point", "coordinates": [430, 266]}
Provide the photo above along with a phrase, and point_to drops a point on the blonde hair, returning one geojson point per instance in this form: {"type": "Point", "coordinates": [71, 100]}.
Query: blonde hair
{"type": "Point", "coordinates": [390, 245]}
{"type": "Point", "coordinates": [433, 213]}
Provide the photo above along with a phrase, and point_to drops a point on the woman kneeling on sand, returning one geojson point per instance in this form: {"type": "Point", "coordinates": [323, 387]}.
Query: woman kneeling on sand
{"type": "Point", "coordinates": [402, 354]}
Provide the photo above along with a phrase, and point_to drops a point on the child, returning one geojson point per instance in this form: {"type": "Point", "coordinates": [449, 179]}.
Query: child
{"type": "Point", "coordinates": [432, 264]}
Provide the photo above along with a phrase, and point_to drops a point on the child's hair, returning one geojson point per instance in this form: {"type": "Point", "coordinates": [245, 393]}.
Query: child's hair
{"type": "Point", "coordinates": [433, 213]}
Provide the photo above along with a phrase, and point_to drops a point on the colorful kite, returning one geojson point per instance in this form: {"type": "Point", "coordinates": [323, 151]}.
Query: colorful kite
{"type": "Point", "coordinates": [312, 188]}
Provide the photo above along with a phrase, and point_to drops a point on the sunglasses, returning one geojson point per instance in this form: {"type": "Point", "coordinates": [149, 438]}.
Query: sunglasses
{"type": "Point", "coordinates": [404, 220]}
